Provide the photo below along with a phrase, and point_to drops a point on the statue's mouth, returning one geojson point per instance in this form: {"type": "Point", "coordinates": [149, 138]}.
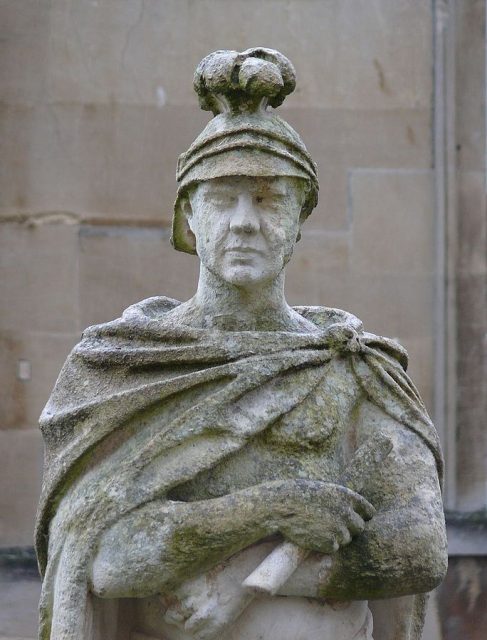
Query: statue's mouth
{"type": "Point", "coordinates": [243, 250]}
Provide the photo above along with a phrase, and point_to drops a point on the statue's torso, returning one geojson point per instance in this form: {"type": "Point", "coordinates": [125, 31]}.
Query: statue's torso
{"type": "Point", "coordinates": [312, 442]}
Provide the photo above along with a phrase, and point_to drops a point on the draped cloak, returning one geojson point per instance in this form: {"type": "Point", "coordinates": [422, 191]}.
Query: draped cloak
{"type": "Point", "coordinates": [141, 388]}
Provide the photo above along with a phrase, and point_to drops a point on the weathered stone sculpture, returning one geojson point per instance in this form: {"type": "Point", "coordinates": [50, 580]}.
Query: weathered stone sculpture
{"type": "Point", "coordinates": [231, 467]}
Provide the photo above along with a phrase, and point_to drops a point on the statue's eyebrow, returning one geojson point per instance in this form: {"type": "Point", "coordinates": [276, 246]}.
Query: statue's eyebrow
{"type": "Point", "coordinates": [275, 191]}
{"type": "Point", "coordinates": [270, 186]}
{"type": "Point", "coordinates": [219, 188]}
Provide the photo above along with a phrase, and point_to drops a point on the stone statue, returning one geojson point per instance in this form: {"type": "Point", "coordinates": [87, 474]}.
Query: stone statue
{"type": "Point", "coordinates": [231, 467]}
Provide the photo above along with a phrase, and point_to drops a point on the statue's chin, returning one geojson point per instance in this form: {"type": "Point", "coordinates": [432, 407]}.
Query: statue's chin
{"type": "Point", "coordinates": [250, 273]}
{"type": "Point", "coordinates": [244, 280]}
{"type": "Point", "coordinates": [248, 281]}
{"type": "Point", "coordinates": [246, 276]}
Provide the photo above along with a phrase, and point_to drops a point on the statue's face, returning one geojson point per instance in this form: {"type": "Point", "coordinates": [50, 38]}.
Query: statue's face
{"type": "Point", "coordinates": [246, 228]}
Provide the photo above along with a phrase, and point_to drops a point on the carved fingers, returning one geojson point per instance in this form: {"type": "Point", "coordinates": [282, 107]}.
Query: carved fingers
{"type": "Point", "coordinates": [323, 516]}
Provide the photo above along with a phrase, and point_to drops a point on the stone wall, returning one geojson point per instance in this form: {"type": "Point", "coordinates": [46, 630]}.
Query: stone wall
{"type": "Point", "coordinates": [462, 597]}
{"type": "Point", "coordinates": [97, 103]}
{"type": "Point", "coordinates": [471, 282]}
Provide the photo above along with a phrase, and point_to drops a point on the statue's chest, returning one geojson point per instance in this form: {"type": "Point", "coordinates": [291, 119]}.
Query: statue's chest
{"type": "Point", "coordinates": [317, 423]}
{"type": "Point", "coordinates": [307, 442]}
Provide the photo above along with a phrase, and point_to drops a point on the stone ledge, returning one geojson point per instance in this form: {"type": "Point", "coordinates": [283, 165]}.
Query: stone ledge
{"type": "Point", "coordinates": [467, 533]}
{"type": "Point", "coordinates": [19, 562]}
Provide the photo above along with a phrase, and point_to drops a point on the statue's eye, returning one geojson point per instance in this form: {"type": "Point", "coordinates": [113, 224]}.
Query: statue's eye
{"type": "Point", "coordinates": [270, 200]}
{"type": "Point", "coordinates": [221, 199]}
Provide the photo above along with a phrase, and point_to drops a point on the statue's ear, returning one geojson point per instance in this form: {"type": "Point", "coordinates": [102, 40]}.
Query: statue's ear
{"type": "Point", "coordinates": [183, 238]}
{"type": "Point", "coordinates": [187, 209]}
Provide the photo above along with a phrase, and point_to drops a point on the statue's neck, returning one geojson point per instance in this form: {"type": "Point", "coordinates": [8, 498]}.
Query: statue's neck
{"type": "Point", "coordinates": [227, 306]}
{"type": "Point", "coordinates": [220, 305]}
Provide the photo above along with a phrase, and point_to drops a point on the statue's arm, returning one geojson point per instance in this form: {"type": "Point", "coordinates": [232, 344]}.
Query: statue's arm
{"type": "Point", "coordinates": [402, 549]}
{"type": "Point", "coordinates": [164, 542]}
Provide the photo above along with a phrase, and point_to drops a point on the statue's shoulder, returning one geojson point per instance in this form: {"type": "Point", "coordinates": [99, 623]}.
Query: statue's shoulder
{"type": "Point", "coordinates": [137, 316]}
{"type": "Point", "coordinates": [150, 308]}
{"type": "Point", "coordinates": [325, 317]}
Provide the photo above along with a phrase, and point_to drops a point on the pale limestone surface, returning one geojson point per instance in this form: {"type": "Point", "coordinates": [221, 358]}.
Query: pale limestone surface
{"type": "Point", "coordinates": [186, 441]}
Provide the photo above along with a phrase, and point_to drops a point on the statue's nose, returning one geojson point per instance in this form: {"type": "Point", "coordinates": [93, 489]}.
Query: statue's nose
{"type": "Point", "coordinates": [244, 218]}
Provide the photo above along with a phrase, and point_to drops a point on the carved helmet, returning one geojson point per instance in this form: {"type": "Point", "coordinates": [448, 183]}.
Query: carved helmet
{"type": "Point", "coordinates": [243, 139]}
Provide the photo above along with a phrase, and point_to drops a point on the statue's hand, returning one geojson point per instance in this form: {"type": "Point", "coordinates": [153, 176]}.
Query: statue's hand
{"type": "Point", "coordinates": [321, 516]}
{"type": "Point", "coordinates": [204, 606]}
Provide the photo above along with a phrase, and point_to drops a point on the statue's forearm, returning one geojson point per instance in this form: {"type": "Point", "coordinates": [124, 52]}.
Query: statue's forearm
{"type": "Point", "coordinates": [399, 553]}
{"type": "Point", "coordinates": [163, 543]}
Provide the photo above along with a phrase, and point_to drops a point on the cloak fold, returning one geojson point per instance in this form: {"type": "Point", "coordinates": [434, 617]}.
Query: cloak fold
{"type": "Point", "coordinates": [135, 389]}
